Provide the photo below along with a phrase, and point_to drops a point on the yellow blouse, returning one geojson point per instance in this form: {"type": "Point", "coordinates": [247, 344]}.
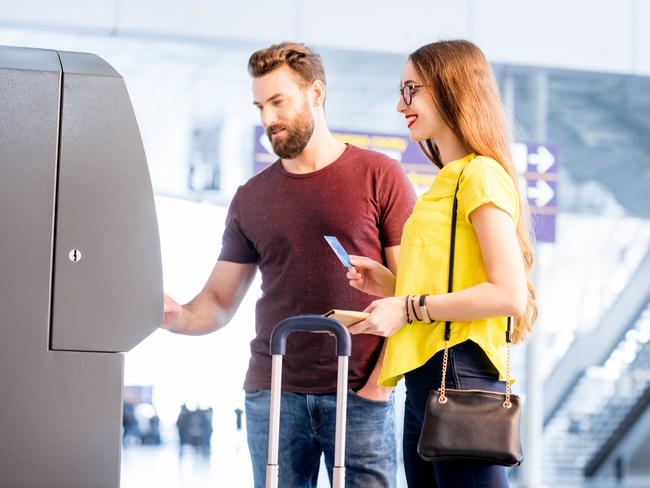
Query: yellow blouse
{"type": "Point", "coordinates": [424, 260]}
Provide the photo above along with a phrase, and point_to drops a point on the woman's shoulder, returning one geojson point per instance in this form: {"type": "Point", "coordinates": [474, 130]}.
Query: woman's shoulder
{"type": "Point", "coordinates": [486, 180]}
{"type": "Point", "coordinates": [483, 170]}
{"type": "Point", "coordinates": [480, 165]}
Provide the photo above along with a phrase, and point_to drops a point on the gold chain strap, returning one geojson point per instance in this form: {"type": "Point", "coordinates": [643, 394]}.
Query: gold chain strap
{"type": "Point", "coordinates": [442, 398]}
{"type": "Point", "coordinates": [506, 403]}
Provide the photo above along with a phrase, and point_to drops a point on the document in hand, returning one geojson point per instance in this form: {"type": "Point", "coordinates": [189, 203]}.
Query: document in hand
{"type": "Point", "coordinates": [346, 317]}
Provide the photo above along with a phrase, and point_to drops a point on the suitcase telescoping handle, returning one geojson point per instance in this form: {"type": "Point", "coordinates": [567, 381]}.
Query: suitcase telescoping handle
{"type": "Point", "coordinates": [308, 323]}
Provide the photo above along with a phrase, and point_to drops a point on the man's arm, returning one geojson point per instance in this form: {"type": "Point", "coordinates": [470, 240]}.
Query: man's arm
{"type": "Point", "coordinates": [371, 389]}
{"type": "Point", "coordinates": [215, 305]}
{"type": "Point", "coordinates": [392, 255]}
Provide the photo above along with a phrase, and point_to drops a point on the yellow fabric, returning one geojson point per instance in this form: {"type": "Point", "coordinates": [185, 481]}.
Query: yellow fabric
{"type": "Point", "coordinates": [424, 259]}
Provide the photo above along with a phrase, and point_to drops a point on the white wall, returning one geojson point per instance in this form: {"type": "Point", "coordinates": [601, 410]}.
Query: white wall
{"type": "Point", "coordinates": [598, 35]}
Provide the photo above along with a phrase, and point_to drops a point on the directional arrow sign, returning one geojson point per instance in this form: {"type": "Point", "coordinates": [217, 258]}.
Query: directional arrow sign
{"type": "Point", "coordinates": [541, 193]}
{"type": "Point", "coordinates": [541, 187]}
{"type": "Point", "coordinates": [543, 159]}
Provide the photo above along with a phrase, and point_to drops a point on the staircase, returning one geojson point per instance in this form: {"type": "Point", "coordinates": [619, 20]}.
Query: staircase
{"type": "Point", "coordinates": [595, 416]}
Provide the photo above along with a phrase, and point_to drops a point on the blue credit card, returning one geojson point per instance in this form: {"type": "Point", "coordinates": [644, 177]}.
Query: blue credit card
{"type": "Point", "coordinates": [338, 249]}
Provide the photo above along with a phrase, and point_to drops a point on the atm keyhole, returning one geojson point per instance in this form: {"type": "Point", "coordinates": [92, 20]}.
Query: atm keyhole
{"type": "Point", "coordinates": [75, 255]}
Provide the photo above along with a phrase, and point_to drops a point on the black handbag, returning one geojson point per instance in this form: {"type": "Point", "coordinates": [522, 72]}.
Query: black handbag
{"type": "Point", "coordinates": [470, 424]}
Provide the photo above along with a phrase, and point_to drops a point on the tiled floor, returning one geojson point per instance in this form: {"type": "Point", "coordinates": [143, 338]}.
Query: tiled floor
{"type": "Point", "coordinates": [163, 466]}
{"type": "Point", "coordinates": [228, 466]}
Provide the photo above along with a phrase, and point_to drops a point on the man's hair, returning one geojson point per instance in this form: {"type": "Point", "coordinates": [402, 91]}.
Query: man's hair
{"type": "Point", "coordinates": [304, 62]}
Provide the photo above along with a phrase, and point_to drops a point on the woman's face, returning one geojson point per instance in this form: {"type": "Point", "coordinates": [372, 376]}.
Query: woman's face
{"type": "Point", "coordinates": [421, 116]}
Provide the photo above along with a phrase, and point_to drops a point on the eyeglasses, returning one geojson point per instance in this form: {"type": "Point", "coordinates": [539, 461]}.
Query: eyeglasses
{"type": "Point", "coordinates": [407, 92]}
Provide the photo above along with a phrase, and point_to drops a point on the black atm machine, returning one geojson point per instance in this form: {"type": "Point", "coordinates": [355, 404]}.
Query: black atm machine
{"type": "Point", "coordinates": [80, 268]}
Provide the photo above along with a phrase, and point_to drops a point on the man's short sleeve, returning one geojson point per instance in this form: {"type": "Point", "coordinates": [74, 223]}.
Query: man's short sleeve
{"type": "Point", "coordinates": [396, 200]}
{"type": "Point", "coordinates": [485, 181]}
{"type": "Point", "coordinates": [236, 247]}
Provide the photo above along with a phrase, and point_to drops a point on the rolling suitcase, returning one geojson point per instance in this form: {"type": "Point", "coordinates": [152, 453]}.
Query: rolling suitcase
{"type": "Point", "coordinates": [308, 323]}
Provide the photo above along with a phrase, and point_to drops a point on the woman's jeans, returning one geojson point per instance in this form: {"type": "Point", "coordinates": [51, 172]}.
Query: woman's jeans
{"type": "Point", "coordinates": [467, 368]}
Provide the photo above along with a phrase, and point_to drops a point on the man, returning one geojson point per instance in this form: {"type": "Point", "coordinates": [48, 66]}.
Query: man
{"type": "Point", "coordinates": [276, 222]}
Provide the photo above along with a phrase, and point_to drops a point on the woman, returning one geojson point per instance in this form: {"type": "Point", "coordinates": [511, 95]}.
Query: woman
{"type": "Point", "coordinates": [451, 104]}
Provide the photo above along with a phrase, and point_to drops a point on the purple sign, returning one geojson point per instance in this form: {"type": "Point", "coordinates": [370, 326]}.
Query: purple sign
{"type": "Point", "coordinates": [264, 155]}
{"type": "Point", "coordinates": [418, 168]}
{"type": "Point", "coordinates": [538, 163]}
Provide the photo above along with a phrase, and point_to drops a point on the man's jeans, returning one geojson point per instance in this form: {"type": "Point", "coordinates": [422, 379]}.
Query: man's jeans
{"type": "Point", "coordinates": [307, 428]}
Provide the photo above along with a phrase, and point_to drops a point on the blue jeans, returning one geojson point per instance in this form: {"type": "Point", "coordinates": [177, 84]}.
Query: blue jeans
{"type": "Point", "coordinates": [468, 368]}
{"type": "Point", "coordinates": [308, 428]}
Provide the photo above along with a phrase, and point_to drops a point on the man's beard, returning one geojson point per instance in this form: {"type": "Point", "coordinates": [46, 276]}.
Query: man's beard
{"type": "Point", "coordinates": [299, 132]}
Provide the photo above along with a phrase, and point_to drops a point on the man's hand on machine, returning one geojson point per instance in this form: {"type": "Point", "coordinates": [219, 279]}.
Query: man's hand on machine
{"type": "Point", "coordinates": [173, 315]}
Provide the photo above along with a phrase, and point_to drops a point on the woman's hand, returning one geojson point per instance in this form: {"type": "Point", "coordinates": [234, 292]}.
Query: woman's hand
{"type": "Point", "coordinates": [387, 316]}
{"type": "Point", "coordinates": [371, 277]}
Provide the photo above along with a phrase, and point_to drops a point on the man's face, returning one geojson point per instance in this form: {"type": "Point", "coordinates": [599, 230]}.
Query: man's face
{"type": "Point", "coordinates": [285, 111]}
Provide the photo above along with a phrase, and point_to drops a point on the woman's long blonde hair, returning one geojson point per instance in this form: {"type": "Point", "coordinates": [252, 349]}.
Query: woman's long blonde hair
{"type": "Point", "coordinates": [459, 79]}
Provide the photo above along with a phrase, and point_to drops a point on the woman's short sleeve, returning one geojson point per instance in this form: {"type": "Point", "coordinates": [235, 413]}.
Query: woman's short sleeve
{"type": "Point", "coordinates": [486, 181]}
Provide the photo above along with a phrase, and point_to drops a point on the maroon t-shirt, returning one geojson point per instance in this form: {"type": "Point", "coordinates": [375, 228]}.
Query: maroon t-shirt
{"type": "Point", "coordinates": [278, 220]}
